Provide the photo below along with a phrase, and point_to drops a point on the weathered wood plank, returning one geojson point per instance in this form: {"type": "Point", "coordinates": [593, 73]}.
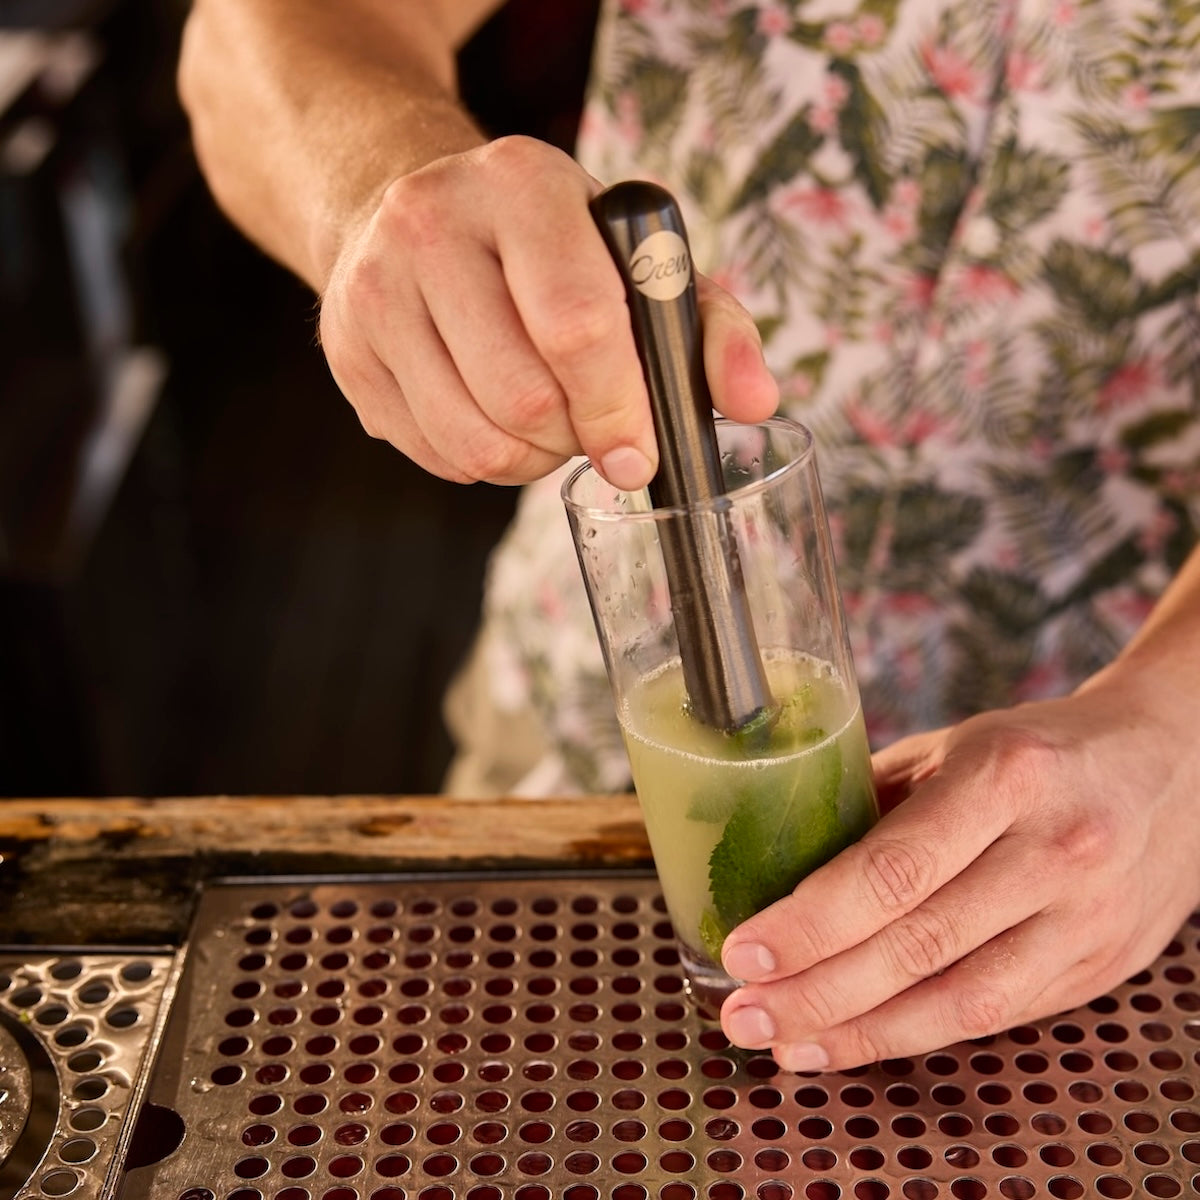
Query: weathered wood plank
{"type": "Point", "coordinates": [125, 869]}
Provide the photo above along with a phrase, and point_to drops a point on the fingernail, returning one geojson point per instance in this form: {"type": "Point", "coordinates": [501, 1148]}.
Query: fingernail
{"type": "Point", "coordinates": [749, 1027]}
{"type": "Point", "coordinates": [801, 1056]}
{"type": "Point", "coordinates": [748, 961]}
{"type": "Point", "coordinates": [626, 468]}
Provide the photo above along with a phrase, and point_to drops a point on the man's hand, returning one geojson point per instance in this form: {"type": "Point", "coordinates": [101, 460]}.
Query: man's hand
{"type": "Point", "coordinates": [478, 323]}
{"type": "Point", "coordinates": [1032, 859]}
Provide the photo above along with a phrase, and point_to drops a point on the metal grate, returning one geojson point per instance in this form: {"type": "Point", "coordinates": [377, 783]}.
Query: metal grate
{"type": "Point", "coordinates": [529, 1038]}
{"type": "Point", "coordinates": [73, 1031]}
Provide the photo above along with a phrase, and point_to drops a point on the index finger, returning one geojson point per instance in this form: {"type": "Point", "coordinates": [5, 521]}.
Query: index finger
{"type": "Point", "coordinates": [914, 850]}
{"type": "Point", "coordinates": [571, 301]}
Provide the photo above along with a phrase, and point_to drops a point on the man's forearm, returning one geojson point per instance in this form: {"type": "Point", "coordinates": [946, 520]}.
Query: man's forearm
{"type": "Point", "coordinates": [304, 111]}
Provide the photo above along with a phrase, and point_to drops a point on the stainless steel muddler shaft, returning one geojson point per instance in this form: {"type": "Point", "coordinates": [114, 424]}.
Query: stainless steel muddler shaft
{"type": "Point", "coordinates": [722, 665]}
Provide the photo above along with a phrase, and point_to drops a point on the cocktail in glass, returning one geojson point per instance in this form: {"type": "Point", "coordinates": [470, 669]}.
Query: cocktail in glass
{"type": "Point", "coordinates": [735, 817]}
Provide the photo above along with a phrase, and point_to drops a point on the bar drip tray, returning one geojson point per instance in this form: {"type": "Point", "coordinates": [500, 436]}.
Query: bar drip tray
{"type": "Point", "coordinates": [528, 1038]}
{"type": "Point", "coordinates": [74, 1030]}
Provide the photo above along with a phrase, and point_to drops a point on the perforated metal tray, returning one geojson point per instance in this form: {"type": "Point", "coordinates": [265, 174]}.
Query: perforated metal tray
{"type": "Point", "coordinates": [74, 1027]}
{"type": "Point", "coordinates": [529, 1038]}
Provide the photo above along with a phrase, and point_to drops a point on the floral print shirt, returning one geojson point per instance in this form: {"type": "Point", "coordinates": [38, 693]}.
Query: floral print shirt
{"type": "Point", "coordinates": [969, 231]}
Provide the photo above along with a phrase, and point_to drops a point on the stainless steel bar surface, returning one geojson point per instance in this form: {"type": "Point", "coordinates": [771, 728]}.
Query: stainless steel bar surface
{"type": "Point", "coordinates": [528, 1038]}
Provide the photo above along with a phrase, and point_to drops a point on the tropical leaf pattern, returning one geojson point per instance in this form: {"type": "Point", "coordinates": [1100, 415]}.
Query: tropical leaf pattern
{"type": "Point", "coordinates": [970, 233]}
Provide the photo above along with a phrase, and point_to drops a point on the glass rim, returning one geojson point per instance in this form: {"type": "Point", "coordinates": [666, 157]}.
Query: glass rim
{"type": "Point", "coordinates": [721, 502]}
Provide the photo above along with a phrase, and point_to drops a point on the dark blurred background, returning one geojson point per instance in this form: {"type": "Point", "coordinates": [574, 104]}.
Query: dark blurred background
{"type": "Point", "coordinates": [211, 580]}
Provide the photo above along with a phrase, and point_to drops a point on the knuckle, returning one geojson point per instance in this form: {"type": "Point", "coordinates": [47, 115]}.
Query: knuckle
{"type": "Point", "coordinates": [533, 404]}
{"type": "Point", "coordinates": [716, 303]}
{"type": "Point", "coordinates": [980, 1008]}
{"type": "Point", "coordinates": [1020, 760]}
{"type": "Point", "coordinates": [580, 328]}
{"type": "Point", "coordinates": [920, 944]}
{"type": "Point", "coordinates": [1087, 841]}
{"type": "Point", "coordinates": [859, 1042]}
{"type": "Point", "coordinates": [493, 459]}
{"type": "Point", "coordinates": [898, 873]}
{"type": "Point", "coordinates": [363, 286]}
{"type": "Point", "coordinates": [807, 1009]}
{"type": "Point", "coordinates": [515, 158]}
{"type": "Point", "coordinates": [807, 940]}
{"type": "Point", "coordinates": [412, 209]}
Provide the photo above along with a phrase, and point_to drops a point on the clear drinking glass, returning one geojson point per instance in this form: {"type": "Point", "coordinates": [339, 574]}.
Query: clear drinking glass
{"type": "Point", "coordinates": [735, 820]}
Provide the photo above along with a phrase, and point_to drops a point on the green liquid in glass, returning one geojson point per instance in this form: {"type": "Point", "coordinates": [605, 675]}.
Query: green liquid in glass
{"type": "Point", "coordinates": [737, 820]}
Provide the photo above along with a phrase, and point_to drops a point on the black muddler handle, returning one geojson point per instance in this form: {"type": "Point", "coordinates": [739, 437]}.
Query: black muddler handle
{"type": "Point", "coordinates": [722, 667]}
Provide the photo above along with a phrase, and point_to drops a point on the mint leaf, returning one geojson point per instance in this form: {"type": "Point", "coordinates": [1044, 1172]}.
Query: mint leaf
{"type": "Point", "coordinates": [755, 736]}
{"type": "Point", "coordinates": [775, 836]}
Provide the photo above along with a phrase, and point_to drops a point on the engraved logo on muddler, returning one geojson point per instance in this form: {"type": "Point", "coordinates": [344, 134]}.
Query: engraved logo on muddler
{"type": "Point", "coordinates": [661, 266]}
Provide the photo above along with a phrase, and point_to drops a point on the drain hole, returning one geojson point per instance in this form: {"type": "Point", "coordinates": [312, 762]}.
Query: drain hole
{"type": "Point", "coordinates": [157, 1135]}
{"type": "Point", "coordinates": [59, 1183]}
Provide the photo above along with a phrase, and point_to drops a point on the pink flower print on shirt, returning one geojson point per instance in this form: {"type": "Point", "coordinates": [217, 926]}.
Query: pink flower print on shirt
{"type": "Point", "coordinates": [900, 216]}
{"type": "Point", "coordinates": [550, 603]}
{"type": "Point", "coordinates": [986, 284]}
{"type": "Point", "coordinates": [901, 223]}
{"type": "Point", "coordinates": [919, 426]}
{"type": "Point", "coordinates": [1046, 680]}
{"type": "Point", "coordinates": [1007, 557]}
{"type": "Point", "coordinates": [1113, 460]}
{"type": "Point", "coordinates": [823, 118]}
{"type": "Point", "coordinates": [629, 118]}
{"type": "Point", "coordinates": [1128, 384]}
{"type": "Point", "coordinates": [836, 90]}
{"type": "Point", "coordinates": [773, 21]}
{"type": "Point", "coordinates": [592, 126]}
{"type": "Point", "coordinates": [907, 194]}
{"type": "Point", "coordinates": [840, 37]}
{"type": "Point", "coordinates": [978, 361]}
{"type": "Point", "coordinates": [824, 115]}
{"type": "Point", "coordinates": [916, 426]}
{"type": "Point", "coordinates": [918, 291]}
{"type": "Point", "coordinates": [1064, 13]}
{"type": "Point", "coordinates": [1023, 72]}
{"type": "Point", "coordinates": [1181, 483]}
{"type": "Point", "coordinates": [1136, 97]}
{"type": "Point", "coordinates": [1124, 607]}
{"type": "Point", "coordinates": [909, 604]}
{"type": "Point", "coordinates": [1041, 448]}
{"type": "Point", "coordinates": [797, 387]}
{"type": "Point", "coordinates": [1154, 536]}
{"type": "Point", "coordinates": [950, 71]}
{"type": "Point", "coordinates": [869, 426]}
{"type": "Point", "coordinates": [871, 29]}
{"type": "Point", "coordinates": [1095, 230]}
{"type": "Point", "coordinates": [819, 205]}
{"type": "Point", "coordinates": [837, 537]}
